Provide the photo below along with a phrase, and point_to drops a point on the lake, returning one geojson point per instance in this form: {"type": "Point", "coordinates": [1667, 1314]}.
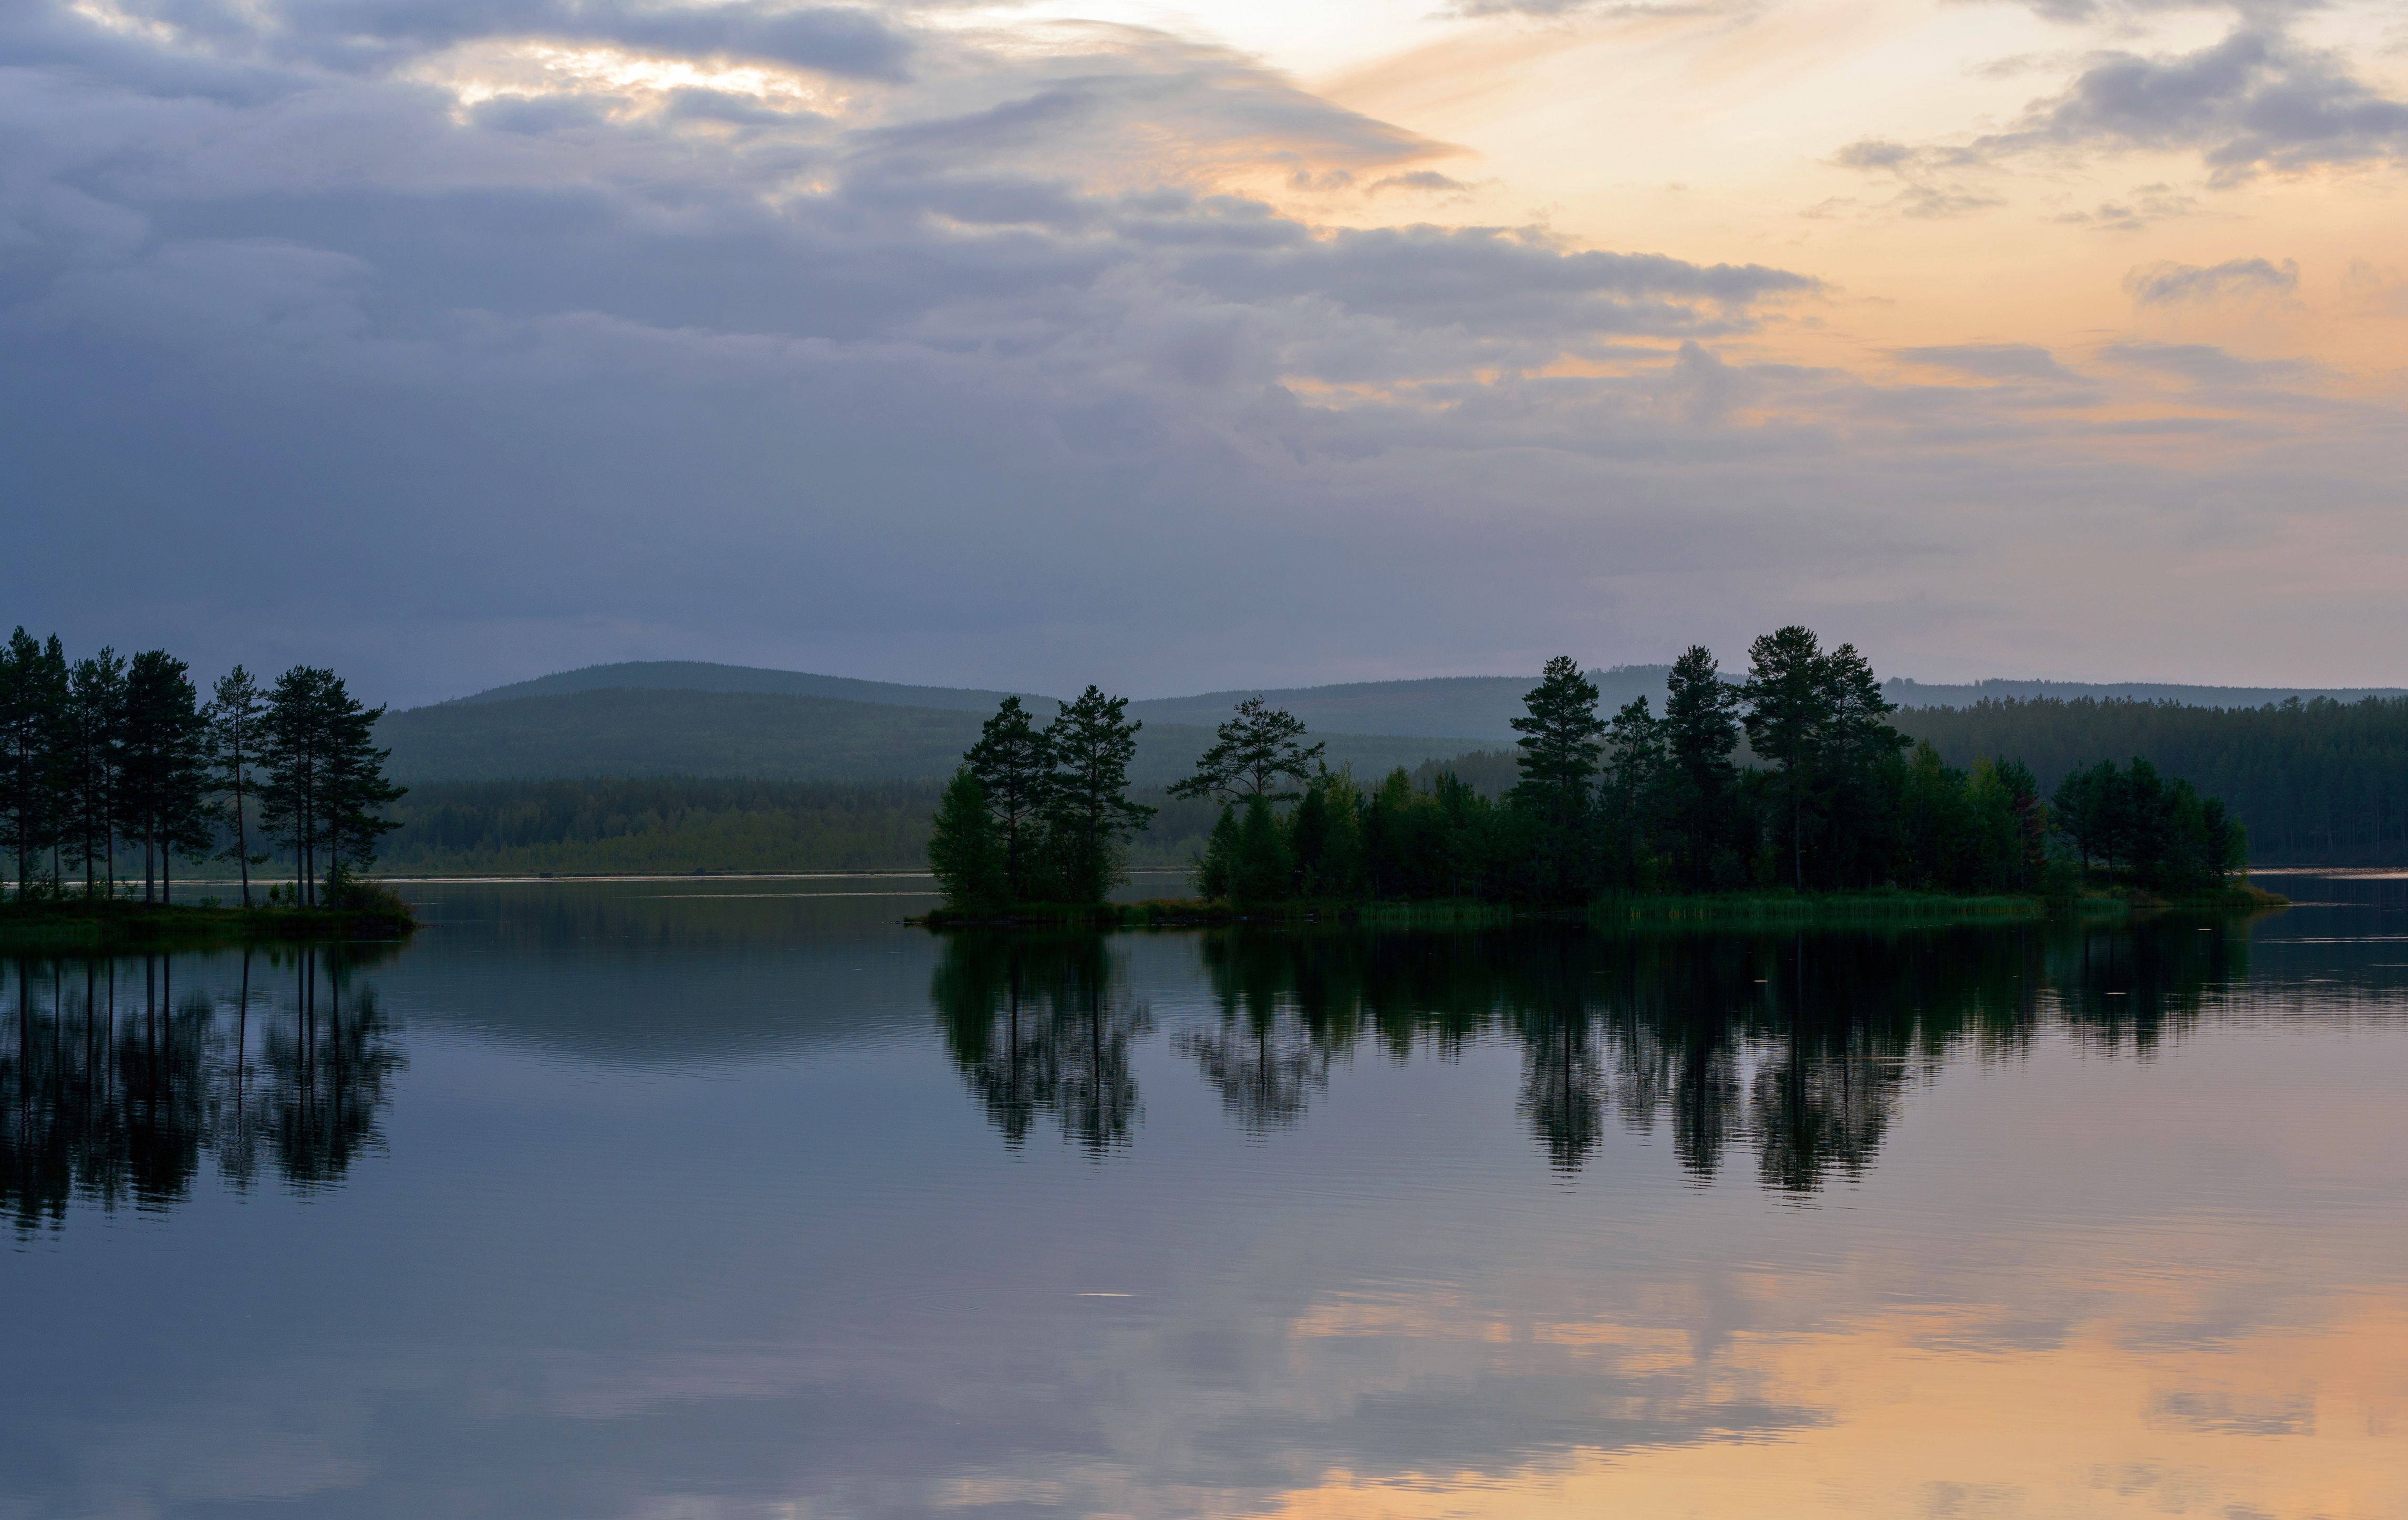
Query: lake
{"type": "Point", "coordinates": [737, 1198]}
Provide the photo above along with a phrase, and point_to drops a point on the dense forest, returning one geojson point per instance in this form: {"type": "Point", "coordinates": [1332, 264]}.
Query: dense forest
{"type": "Point", "coordinates": [2318, 783]}
{"type": "Point", "coordinates": [110, 756]}
{"type": "Point", "coordinates": [1639, 804]}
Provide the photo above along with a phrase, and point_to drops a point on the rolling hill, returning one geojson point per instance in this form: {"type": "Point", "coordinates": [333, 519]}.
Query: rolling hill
{"type": "Point", "coordinates": [618, 731]}
{"type": "Point", "coordinates": [1478, 707]}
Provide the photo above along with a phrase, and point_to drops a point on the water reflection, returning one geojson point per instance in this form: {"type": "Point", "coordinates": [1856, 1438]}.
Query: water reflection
{"type": "Point", "coordinates": [1042, 1024]}
{"type": "Point", "coordinates": [1797, 1046]}
{"type": "Point", "coordinates": [115, 1087]}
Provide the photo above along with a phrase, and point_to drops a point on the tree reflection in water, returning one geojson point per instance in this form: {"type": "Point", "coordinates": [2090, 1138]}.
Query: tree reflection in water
{"type": "Point", "coordinates": [1797, 1046]}
{"type": "Point", "coordinates": [114, 1088]}
{"type": "Point", "coordinates": [1042, 1024]}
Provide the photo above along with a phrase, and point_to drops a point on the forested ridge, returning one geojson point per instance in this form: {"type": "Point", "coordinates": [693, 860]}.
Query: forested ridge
{"type": "Point", "coordinates": [2312, 782]}
{"type": "Point", "coordinates": [2316, 783]}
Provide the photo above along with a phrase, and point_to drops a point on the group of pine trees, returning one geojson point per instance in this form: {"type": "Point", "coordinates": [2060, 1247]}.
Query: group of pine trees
{"type": "Point", "coordinates": [1637, 803]}
{"type": "Point", "coordinates": [109, 755]}
{"type": "Point", "coordinates": [1040, 814]}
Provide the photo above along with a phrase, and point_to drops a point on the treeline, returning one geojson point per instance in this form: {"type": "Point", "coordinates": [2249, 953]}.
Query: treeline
{"type": "Point", "coordinates": [674, 825]}
{"type": "Point", "coordinates": [109, 753]}
{"type": "Point", "coordinates": [1639, 803]}
{"type": "Point", "coordinates": [2318, 782]}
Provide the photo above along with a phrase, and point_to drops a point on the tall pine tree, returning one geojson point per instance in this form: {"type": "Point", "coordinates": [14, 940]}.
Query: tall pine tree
{"type": "Point", "coordinates": [1088, 815]}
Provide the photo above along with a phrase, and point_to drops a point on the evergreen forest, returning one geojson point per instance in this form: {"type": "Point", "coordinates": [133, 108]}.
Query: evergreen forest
{"type": "Point", "coordinates": [113, 764]}
{"type": "Point", "coordinates": [1833, 797]}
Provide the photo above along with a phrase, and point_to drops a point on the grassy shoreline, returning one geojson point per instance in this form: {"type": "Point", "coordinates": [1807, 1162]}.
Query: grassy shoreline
{"type": "Point", "coordinates": [73, 924]}
{"type": "Point", "coordinates": [1780, 906]}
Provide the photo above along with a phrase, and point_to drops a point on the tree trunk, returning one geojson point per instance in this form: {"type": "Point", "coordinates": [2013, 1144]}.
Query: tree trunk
{"type": "Point", "coordinates": [241, 837]}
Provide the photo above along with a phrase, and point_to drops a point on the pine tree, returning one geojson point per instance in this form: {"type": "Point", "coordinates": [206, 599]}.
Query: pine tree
{"type": "Point", "coordinates": [1634, 775]}
{"type": "Point", "coordinates": [95, 722]}
{"type": "Point", "coordinates": [1014, 767]}
{"type": "Point", "coordinates": [1087, 813]}
{"type": "Point", "coordinates": [296, 759]}
{"type": "Point", "coordinates": [1250, 754]}
{"type": "Point", "coordinates": [235, 718]}
{"type": "Point", "coordinates": [33, 715]}
{"type": "Point", "coordinates": [163, 794]}
{"type": "Point", "coordinates": [356, 791]}
{"type": "Point", "coordinates": [1699, 732]}
{"type": "Point", "coordinates": [1264, 870]}
{"type": "Point", "coordinates": [1562, 739]}
{"type": "Point", "coordinates": [965, 850]}
{"type": "Point", "coordinates": [1788, 716]}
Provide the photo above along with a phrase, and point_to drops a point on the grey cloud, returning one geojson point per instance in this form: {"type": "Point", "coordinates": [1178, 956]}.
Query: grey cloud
{"type": "Point", "coordinates": [2203, 363]}
{"type": "Point", "coordinates": [2169, 283]}
{"type": "Point", "coordinates": [1426, 180]}
{"type": "Point", "coordinates": [843, 41]}
{"type": "Point", "coordinates": [922, 400]}
{"type": "Point", "coordinates": [1927, 190]}
{"type": "Point", "coordinates": [2253, 102]}
{"type": "Point", "coordinates": [2256, 103]}
{"type": "Point", "coordinates": [1991, 361]}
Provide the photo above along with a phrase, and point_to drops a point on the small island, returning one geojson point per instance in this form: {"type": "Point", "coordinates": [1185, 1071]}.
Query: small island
{"type": "Point", "coordinates": [106, 762]}
{"type": "Point", "coordinates": [1783, 795]}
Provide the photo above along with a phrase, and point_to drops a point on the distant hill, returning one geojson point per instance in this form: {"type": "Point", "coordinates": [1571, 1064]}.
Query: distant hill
{"type": "Point", "coordinates": [698, 676]}
{"type": "Point", "coordinates": [618, 731]}
{"type": "Point", "coordinates": [1916, 694]}
{"type": "Point", "coordinates": [1459, 707]}
{"type": "Point", "coordinates": [1478, 707]}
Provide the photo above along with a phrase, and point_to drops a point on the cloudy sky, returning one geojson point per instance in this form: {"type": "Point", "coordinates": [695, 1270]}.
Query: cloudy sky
{"type": "Point", "coordinates": [453, 341]}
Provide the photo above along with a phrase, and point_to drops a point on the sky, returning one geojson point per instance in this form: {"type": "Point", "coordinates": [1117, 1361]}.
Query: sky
{"type": "Point", "coordinates": [449, 342]}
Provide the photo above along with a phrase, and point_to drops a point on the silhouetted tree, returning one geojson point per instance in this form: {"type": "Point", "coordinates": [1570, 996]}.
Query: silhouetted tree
{"type": "Point", "coordinates": [235, 718]}
{"type": "Point", "coordinates": [1014, 767]}
{"type": "Point", "coordinates": [1087, 811]}
{"type": "Point", "coordinates": [1250, 754]}
{"type": "Point", "coordinates": [1700, 730]}
{"type": "Point", "coordinates": [162, 749]}
{"type": "Point", "coordinates": [1562, 738]}
{"type": "Point", "coordinates": [95, 722]}
{"type": "Point", "coordinates": [964, 850]}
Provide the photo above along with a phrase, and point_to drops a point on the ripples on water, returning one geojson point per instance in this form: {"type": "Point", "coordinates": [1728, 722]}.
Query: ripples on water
{"type": "Point", "coordinates": [739, 1198]}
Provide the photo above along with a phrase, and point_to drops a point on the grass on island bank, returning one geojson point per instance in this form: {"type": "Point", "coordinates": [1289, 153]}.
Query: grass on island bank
{"type": "Point", "coordinates": [1777, 904]}
{"type": "Point", "coordinates": [372, 912]}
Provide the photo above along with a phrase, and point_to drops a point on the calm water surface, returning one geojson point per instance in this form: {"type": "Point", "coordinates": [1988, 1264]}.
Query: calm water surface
{"type": "Point", "coordinates": [737, 1199]}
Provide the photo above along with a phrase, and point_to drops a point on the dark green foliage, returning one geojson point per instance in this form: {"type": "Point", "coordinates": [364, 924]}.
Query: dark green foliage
{"type": "Point", "coordinates": [1261, 869]}
{"type": "Point", "coordinates": [1250, 754]}
{"type": "Point", "coordinates": [323, 792]}
{"type": "Point", "coordinates": [235, 719]}
{"type": "Point", "coordinates": [966, 849]}
{"type": "Point", "coordinates": [34, 751]}
{"type": "Point", "coordinates": [2161, 835]}
{"type": "Point", "coordinates": [1642, 806]}
{"type": "Point", "coordinates": [1561, 740]}
{"type": "Point", "coordinates": [2318, 782]}
{"type": "Point", "coordinates": [1088, 815]}
{"type": "Point", "coordinates": [1700, 782]}
{"type": "Point", "coordinates": [1013, 762]}
{"type": "Point", "coordinates": [95, 712]}
{"type": "Point", "coordinates": [162, 793]}
{"type": "Point", "coordinates": [1821, 719]}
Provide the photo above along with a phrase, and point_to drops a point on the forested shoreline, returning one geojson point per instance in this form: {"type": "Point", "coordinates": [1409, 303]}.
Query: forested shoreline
{"type": "Point", "coordinates": [112, 761]}
{"type": "Point", "coordinates": [1636, 804]}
